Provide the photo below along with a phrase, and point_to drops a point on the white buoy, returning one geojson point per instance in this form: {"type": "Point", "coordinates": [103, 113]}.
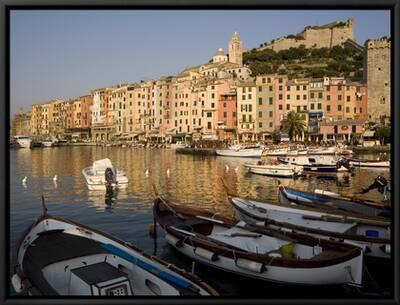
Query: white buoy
{"type": "Point", "coordinates": [55, 178]}
{"type": "Point", "coordinates": [168, 171]}
{"type": "Point", "coordinates": [24, 180]}
{"type": "Point", "coordinates": [226, 167]}
{"type": "Point", "coordinates": [147, 172]}
{"type": "Point", "coordinates": [236, 168]}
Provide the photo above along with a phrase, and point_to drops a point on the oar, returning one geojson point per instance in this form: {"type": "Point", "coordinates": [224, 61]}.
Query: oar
{"type": "Point", "coordinates": [237, 234]}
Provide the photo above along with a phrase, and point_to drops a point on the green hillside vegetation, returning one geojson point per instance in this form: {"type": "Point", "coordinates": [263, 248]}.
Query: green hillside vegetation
{"type": "Point", "coordinates": [303, 62]}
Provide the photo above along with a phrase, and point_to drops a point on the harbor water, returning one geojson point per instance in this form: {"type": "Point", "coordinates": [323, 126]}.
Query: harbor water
{"type": "Point", "coordinates": [190, 180]}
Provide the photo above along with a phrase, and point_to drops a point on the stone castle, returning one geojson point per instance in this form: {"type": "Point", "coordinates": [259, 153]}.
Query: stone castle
{"type": "Point", "coordinates": [328, 36]}
{"type": "Point", "coordinates": [377, 76]}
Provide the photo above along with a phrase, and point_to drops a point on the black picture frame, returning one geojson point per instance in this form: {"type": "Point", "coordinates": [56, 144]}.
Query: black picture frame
{"type": "Point", "coordinates": [7, 5]}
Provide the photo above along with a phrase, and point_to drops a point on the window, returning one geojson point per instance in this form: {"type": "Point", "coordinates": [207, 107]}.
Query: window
{"type": "Point", "coordinates": [280, 88]}
{"type": "Point", "coordinates": [209, 114]}
{"type": "Point", "coordinates": [287, 106]}
{"type": "Point", "coordinates": [328, 97]}
{"type": "Point", "coordinates": [298, 108]}
{"type": "Point", "coordinates": [270, 124]}
{"type": "Point", "coordinates": [339, 87]}
{"type": "Point", "coordinates": [270, 114]}
{"type": "Point", "coordinates": [260, 114]}
{"type": "Point", "coordinates": [224, 105]}
{"type": "Point", "coordinates": [244, 118]}
{"type": "Point", "coordinates": [298, 97]}
{"type": "Point", "coordinates": [250, 108]}
{"type": "Point", "coordinates": [212, 87]}
{"type": "Point", "coordinates": [312, 106]}
{"type": "Point", "coordinates": [244, 89]}
{"type": "Point", "coordinates": [347, 109]}
{"type": "Point", "coordinates": [209, 125]}
{"type": "Point", "coordinates": [249, 96]}
{"type": "Point", "coordinates": [304, 96]}
{"type": "Point", "coordinates": [269, 79]}
{"type": "Point", "coordinates": [288, 97]}
{"type": "Point", "coordinates": [340, 97]}
{"type": "Point", "coordinates": [280, 80]}
{"type": "Point", "coordinates": [328, 88]}
{"type": "Point", "coordinates": [260, 124]}
{"type": "Point", "coordinates": [234, 114]}
{"type": "Point", "coordinates": [280, 97]}
{"type": "Point", "coordinates": [250, 118]}
{"type": "Point", "coordinates": [260, 101]}
{"type": "Point", "coordinates": [271, 100]}
{"type": "Point", "coordinates": [339, 107]}
{"type": "Point", "coordinates": [355, 110]}
{"type": "Point", "coordinates": [259, 89]}
{"type": "Point", "coordinates": [312, 94]}
{"type": "Point", "coordinates": [304, 87]}
{"type": "Point", "coordinates": [225, 114]}
{"type": "Point", "coordinates": [319, 94]}
{"type": "Point", "coordinates": [348, 98]}
{"type": "Point", "coordinates": [280, 107]}
{"type": "Point", "coordinates": [360, 109]}
{"type": "Point", "coordinates": [263, 80]}
{"type": "Point", "coordinates": [212, 105]}
{"type": "Point", "coordinates": [328, 108]}
{"type": "Point", "coordinates": [319, 106]}
{"type": "Point", "coordinates": [288, 88]}
{"type": "Point", "coordinates": [243, 97]}
{"type": "Point", "coordinates": [353, 128]}
{"type": "Point", "coordinates": [271, 88]}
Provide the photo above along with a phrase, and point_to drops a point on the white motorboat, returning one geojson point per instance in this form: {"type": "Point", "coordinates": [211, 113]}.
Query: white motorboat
{"type": "Point", "coordinates": [318, 164]}
{"type": "Point", "coordinates": [331, 150]}
{"type": "Point", "coordinates": [254, 252]}
{"type": "Point", "coordinates": [178, 144]}
{"type": "Point", "coordinates": [370, 233]}
{"type": "Point", "coordinates": [103, 174]}
{"type": "Point", "coordinates": [274, 170]}
{"type": "Point", "coordinates": [241, 150]}
{"type": "Point", "coordinates": [23, 141]}
{"type": "Point", "coordinates": [58, 257]}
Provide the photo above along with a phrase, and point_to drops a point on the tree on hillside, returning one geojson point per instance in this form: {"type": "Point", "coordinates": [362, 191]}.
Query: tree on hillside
{"type": "Point", "coordinates": [294, 124]}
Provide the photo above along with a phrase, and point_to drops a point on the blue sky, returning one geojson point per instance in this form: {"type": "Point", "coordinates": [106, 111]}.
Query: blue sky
{"type": "Point", "coordinates": [63, 54]}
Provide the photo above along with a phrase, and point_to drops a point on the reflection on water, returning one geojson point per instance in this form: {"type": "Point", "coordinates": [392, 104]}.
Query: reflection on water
{"type": "Point", "coordinates": [127, 214]}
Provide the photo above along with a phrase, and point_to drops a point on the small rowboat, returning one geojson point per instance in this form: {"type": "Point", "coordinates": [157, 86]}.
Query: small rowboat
{"type": "Point", "coordinates": [275, 170]}
{"type": "Point", "coordinates": [371, 234]}
{"type": "Point", "coordinates": [60, 257]}
{"type": "Point", "coordinates": [333, 201]}
{"type": "Point", "coordinates": [255, 252]}
{"type": "Point", "coordinates": [369, 163]}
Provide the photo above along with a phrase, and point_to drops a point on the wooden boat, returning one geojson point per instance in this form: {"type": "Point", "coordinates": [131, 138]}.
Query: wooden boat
{"type": "Point", "coordinates": [333, 201]}
{"type": "Point", "coordinates": [274, 170]}
{"type": "Point", "coordinates": [259, 253]}
{"type": "Point", "coordinates": [241, 151]}
{"type": "Point", "coordinates": [61, 257]}
{"type": "Point", "coordinates": [371, 234]}
{"type": "Point", "coordinates": [369, 163]}
{"type": "Point", "coordinates": [103, 174]}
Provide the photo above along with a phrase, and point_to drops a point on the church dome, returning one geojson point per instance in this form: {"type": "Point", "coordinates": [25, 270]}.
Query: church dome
{"type": "Point", "coordinates": [219, 52]}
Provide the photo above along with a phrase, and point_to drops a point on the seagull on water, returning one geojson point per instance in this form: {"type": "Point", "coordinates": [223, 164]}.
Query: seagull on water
{"type": "Point", "coordinates": [236, 168]}
{"type": "Point", "coordinates": [147, 172]}
{"type": "Point", "coordinates": [55, 178]}
{"type": "Point", "coordinates": [226, 167]}
{"type": "Point", "coordinates": [24, 180]}
{"type": "Point", "coordinates": [168, 171]}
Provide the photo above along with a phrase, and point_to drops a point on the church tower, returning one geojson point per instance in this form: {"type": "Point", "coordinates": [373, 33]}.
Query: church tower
{"type": "Point", "coordinates": [236, 50]}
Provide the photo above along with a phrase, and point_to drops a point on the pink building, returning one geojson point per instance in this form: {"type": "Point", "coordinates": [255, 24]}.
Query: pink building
{"type": "Point", "coordinates": [226, 114]}
{"type": "Point", "coordinates": [280, 86]}
{"type": "Point", "coordinates": [341, 130]}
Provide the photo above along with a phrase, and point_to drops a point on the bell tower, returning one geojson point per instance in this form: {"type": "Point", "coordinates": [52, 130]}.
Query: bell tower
{"type": "Point", "coordinates": [236, 50]}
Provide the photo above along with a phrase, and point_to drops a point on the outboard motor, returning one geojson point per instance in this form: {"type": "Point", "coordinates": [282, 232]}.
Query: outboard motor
{"type": "Point", "coordinates": [345, 163]}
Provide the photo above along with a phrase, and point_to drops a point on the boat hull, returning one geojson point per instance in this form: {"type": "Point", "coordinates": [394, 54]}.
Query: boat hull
{"type": "Point", "coordinates": [242, 153]}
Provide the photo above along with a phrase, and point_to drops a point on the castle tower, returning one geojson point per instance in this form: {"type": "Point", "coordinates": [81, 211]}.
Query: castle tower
{"type": "Point", "coordinates": [236, 50]}
{"type": "Point", "coordinates": [377, 76]}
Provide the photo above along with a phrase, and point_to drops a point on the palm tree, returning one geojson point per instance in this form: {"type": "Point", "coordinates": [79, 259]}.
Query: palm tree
{"type": "Point", "coordinates": [294, 124]}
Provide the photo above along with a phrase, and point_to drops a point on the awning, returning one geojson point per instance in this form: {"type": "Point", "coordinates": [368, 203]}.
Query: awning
{"type": "Point", "coordinates": [315, 114]}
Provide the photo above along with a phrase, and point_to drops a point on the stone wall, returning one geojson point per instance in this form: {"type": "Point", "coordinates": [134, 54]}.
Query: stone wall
{"type": "Point", "coordinates": [377, 76]}
{"type": "Point", "coordinates": [326, 36]}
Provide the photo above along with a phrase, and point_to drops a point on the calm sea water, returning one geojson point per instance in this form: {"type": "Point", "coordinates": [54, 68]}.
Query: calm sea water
{"type": "Point", "coordinates": [192, 179]}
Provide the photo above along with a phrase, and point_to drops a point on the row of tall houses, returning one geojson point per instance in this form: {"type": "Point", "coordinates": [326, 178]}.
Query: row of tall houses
{"type": "Point", "coordinates": [214, 100]}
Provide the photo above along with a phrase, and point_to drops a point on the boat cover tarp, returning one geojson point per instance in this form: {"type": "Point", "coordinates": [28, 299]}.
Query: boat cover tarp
{"type": "Point", "coordinates": [101, 165]}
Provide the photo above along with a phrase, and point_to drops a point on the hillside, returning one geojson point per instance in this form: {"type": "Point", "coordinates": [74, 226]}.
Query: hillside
{"type": "Point", "coordinates": [303, 62]}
